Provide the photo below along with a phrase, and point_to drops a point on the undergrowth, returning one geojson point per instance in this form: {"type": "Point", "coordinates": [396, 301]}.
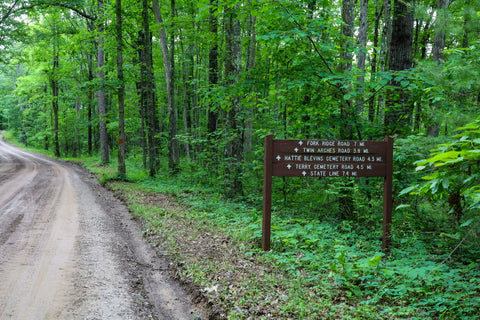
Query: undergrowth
{"type": "Point", "coordinates": [320, 266]}
{"type": "Point", "coordinates": [323, 268]}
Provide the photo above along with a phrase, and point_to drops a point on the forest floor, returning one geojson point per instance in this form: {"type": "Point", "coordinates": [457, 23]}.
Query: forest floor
{"type": "Point", "coordinates": [70, 249]}
{"type": "Point", "coordinates": [207, 261]}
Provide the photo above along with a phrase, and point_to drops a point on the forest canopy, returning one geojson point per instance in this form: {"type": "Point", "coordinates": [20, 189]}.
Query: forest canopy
{"type": "Point", "coordinates": [219, 75]}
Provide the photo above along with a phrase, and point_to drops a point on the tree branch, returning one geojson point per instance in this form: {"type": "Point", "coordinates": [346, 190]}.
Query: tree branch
{"type": "Point", "coordinates": [45, 4]}
{"type": "Point", "coordinates": [9, 12]}
{"type": "Point", "coordinates": [68, 6]}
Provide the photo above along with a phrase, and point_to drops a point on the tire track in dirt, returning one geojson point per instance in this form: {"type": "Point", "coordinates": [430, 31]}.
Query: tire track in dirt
{"type": "Point", "coordinates": [69, 250]}
{"type": "Point", "coordinates": [38, 243]}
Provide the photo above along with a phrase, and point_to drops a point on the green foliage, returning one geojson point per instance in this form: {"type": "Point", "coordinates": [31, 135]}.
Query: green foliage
{"type": "Point", "coordinates": [453, 167]}
{"type": "Point", "coordinates": [327, 263]}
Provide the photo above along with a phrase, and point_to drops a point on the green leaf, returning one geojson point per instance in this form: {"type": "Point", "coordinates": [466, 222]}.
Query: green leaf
{"type": "Point", "coordinates": [420, 168]}
{"type": "Point", "coordinates": [415, 273]}
{"type": "Point", "coordinates": [408, 190]}
{"type": "Point", "coordinates": [374, 261]}
{"type": "Point", "coordinates": [445, 156]}
{"type": "Point", "coordinates": [445, 183]}
{"type": "Point", "coordinates": [467, 223]}
{"type": "Point", "coordinates": [434, 186]}
{"type": "Point", "coordinates": [402, 206]}
{"type": "Point", "coordinates": [455, 236]}
{"type": "Point", "coordinates": [459, 159]}
{"type": "Point", "coordinates": [431, 176]}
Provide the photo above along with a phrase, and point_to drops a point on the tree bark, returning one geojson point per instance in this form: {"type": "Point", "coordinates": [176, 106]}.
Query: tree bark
{"type": "Point", "coordinates": [362, 53]}
{"type": "Point", "coordinates": [55, 90]}
{"type": "Point", "coordinates": [386, 35]}
{"type": "Point", "coordinates": [466, 30]}
{"type": "Point", "coordinates": [121, 91]}
{"type": "Point", "coordinates": [168, 64]}
{"type": "Point", "coordinates": [347, 114]}
{"type": "Point", "coordinates": [251, 60]}
{"type": "Point", "coordinates": [189, 88]}
{"type": "Point", "coordinates": [143, 136]}
{"type": "Point", "coordinates": [384, 49]}
{"type": "Point", "coordinates": [431, 125]}
{"type": "Point", "coordinates": [441, 21]}
{"type": "Point", "coordinates": [91, 94]}
{"type": "Point", "coordinates": [101, 92]}
{"type": "Point", "coordinates": [347, 111]}
{"type": "Point", "coordinates": [188, 94]}
{"type": "Point", "coordinates": [76, 142]}
{"type": "Point", "coordinates": [233, 61]}
{"type": "Point", "coordinates": [213, 64]}
{"type": "Point", "coordinates": [140, 84]}
{"type": "Point", "coordinates": [374, 63]}
{"type": "Point", "coordinates": [398, 116]}
{"type": "Point", "coordinates": [425, 39]}
{"type": "Point", "coordinates": [148, 92]}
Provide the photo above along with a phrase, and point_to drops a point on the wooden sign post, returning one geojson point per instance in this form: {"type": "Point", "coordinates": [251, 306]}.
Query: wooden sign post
{"type": "Point", "coordinates": [327, 158]}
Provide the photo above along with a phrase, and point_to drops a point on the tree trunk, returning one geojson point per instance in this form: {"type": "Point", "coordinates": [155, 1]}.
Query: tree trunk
{"type": "Point", "coordinates": [233, 61]}
{"type": "Point", "coordinates": [466, 30]}
{"type": "Point", "coordinates": [384, 50]}
{"type": "Point", "coordinates": [376, 32]}
{"type": "Point", "coordinates": [55, 90]}
{"type": "Point", "coordinates": [189, 87]}
{"type": "Point", "coordinates": [441, 21]}
{"type": "Point", "coordinates": [348, 116]}
{"type": "Point", "coordinates": [431, 125]}
{"type": "Point", "coordinates": [362, 54]}
{"type": "Point", "coordinates": [143, 135]}
{"type": "Point", "coordinates": [386, 35]}
{"type": "Point", "coordinates": [213, 64]}
{"type": "Point", "coordinates": [101, 92]}
{"type": "Point", "coordinates": [398, 116]}
{"type": "Point", "coordinates": [425, 39]}
{"type": "Point", "coordinates": [76, 143]}
{"type": "Point", "coordinates": [91, 95]}
{"type": "Point", "coordinates": [251, 59]}
{"type": "Point", "coordinates": [196, 115]}
{"type": "Point", "coordinates": [46, 143]}
{"type": "Point", "coordinates": [148, 92]}
{"type": "Point", "coordinates": [188, 93]}
{"type": "Point", "coordinates": [168, 64]}
{"type": "Point", "coordinates": [173, 146]}
{"type": "Point", "coordinates": [121, 91]}
{"type": "Point", "coordinates": [141, 93]}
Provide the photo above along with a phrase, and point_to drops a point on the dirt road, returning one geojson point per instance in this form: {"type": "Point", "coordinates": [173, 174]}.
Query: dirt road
{"type": "Point", "coordinates": [69, 250]}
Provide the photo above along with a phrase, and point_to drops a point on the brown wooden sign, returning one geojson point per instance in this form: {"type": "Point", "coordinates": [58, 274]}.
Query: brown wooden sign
{"type": "Point", "coordinates": [327, 158]}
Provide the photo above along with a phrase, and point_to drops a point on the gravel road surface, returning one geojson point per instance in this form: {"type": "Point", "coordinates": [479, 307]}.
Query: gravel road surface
{"type": "Point", "coordinates": [69, 250]}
